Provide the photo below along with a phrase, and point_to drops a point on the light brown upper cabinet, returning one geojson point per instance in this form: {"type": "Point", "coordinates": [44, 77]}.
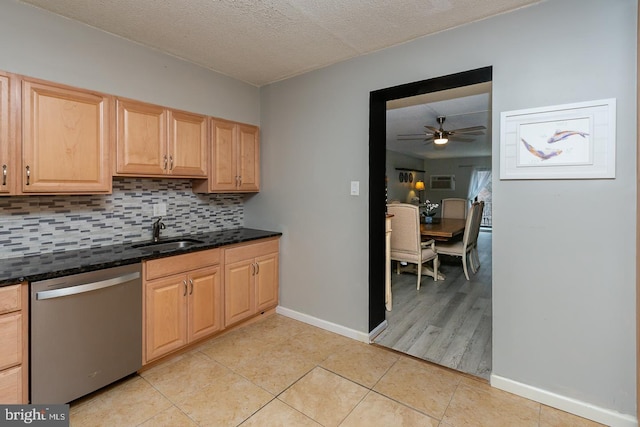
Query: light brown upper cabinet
{"type": "Point", "coordinates": [65, 140]}
{"type": "Point", "coordinates": [7, 128]}
{"type": "Point", "coordinates": [234, 159]}
{"type": "Point", "coordinates": [156, 141]}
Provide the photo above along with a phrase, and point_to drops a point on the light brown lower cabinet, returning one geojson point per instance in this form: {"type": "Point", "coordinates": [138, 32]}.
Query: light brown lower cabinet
{"type": "Point", "coordinates": [182, 301]}
{"type": "Point", "coordinates": [251, 279]}
{"type": "Point", "coordinates": [14, 344]}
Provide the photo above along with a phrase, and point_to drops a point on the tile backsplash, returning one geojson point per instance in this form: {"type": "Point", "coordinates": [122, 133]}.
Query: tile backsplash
{"type": "Point", "coordinates": [42, 224]}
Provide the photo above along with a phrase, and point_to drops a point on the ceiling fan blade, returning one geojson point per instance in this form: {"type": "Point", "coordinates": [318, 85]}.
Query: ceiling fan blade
{"type": "Point", "coordinates": [410, 135]}
{"type": "Point", "coordinates": [460, 139]}
{"type": "Point", "coordinates": [477, 132]}
{"type": "Point", "coordinates": [469, 129]}
{"type": "Point", "coordinates": [431, 128]}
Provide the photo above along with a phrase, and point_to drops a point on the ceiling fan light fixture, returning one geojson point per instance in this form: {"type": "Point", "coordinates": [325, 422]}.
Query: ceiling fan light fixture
{"type": "Point", "coordinates": [440, 138]}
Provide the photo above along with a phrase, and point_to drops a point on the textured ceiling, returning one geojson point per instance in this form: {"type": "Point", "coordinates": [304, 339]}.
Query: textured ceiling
{"type": "Point", "coordinates": [261, 42]}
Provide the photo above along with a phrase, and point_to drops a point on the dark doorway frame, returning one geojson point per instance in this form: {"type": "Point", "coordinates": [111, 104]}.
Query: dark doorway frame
{"type": "Point", "coordinates": [377, 159]}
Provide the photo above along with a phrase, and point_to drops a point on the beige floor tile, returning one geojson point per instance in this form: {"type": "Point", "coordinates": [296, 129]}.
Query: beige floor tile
{"type": "Point", "coordinates": [171, 417]}
{"type": "Point", "coordinates": [378, 410]}
{"type": "Point", "coordinates": [551, 417]}
{"type": "Point", "coordinates": [324, 396]}
{"type": "Point", "coordinates": [234, 348]}
{"type": "Point", "coordinates": [362, 363]}
{"type": "Point", "coordinates": [420, 385]}
{"type": "Point", "coordinates": [279, 414]}
{"type": "Point", "coordinates": [317, 344]}
{"type": "Point", "coordinates": [227, 401]}
{"type": "Point", "coordinates": [129, 403]}
{"type": "Point", "coordinates": [277, 328]}
{"type": "Point", "coordinates": [184, 374]}
{"type": "Point", "coordinates": [477, 404]}
{"type": "Point", "coordinates": [276, 369]}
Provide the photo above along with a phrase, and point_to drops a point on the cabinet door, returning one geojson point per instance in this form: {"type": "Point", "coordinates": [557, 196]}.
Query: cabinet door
{"type": "Point", "coordinates": [7, 165]}
{"type": "Point", "coordinates": [205, 303]}
{"type": "Point", "coordinates": [248, 158]}
{"type": "Point", "coordinates": [165, 316]}
{"type": "Point", "coordinates": [188, 138]}
{"type": "Point", "coordinates": [239, 291]}
{"type": "Point", "coordinates": [223, 156]}
{"type": "Point", "coordinates": [266, 279]}
{"type": "Point", "coordinates": [11, 387]}
{"type": "Point", "coordinates": [65, 140]}
{"type": "Point", "coordinates": [10, 339]}
{"type": "Point", "coordinates": [142, 139]}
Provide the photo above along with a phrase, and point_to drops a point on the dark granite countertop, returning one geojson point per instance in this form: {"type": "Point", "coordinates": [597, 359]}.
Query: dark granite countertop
{"type": "Point", "coordinates": [48, 266]}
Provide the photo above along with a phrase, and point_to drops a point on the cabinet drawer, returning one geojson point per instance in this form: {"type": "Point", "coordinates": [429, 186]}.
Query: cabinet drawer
{"type": "Point", "coordinates": [10, 298]}
{"type": "Point", "coordinates": [10, 340]}
{"type": "Point", "coordinates": [180, 264]}
{"type": "Point", "coordinates": [11, 386]}
{"type": "Point", "coordinates": [251, 250]}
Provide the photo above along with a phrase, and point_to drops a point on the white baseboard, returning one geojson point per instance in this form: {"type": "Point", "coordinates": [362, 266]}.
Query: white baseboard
{"type": "Point", "coordinates": [323, 324]}
{"type": "Point", "coordinates": [567, 404]}
{"type": "Point", "coordinates": [377, 330]}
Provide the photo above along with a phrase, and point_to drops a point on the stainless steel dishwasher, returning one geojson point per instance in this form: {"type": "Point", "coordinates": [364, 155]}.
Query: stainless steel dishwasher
{"type": "Point", "coordinates": [86, 332]}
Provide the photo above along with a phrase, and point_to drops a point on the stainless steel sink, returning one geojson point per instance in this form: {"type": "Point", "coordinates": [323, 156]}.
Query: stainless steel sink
{"type": "Point", "coordinates": [167, 245]}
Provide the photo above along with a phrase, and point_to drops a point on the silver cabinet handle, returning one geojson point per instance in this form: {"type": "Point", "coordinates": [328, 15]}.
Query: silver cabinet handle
{"type": "Point", "coordinates": [165, 162]}
{"type": "Point", "coordinates": [28, 174]}
{"type": "Point", "coordinates": [4, 174]}
{"type": "Point", "coordinates": [191, 283]}
{"type": "Point", "coordinates": [253, 268]}
{"type": "Point", "coordinates": [73, 290]}
{"type": "Point", "coordinates": [240, 181]}
{"type": "Point", "coordinates": [170, 163]}
{"type": "Point", "coordinates": [184, 282]}
{"type": "Point", "coordinates": [257, 268]}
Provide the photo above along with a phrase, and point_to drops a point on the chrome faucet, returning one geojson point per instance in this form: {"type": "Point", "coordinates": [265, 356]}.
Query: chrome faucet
{"type": "Point", "coordinates": [157, 226]}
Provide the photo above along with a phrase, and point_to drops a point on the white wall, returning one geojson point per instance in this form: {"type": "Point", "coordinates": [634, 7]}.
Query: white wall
{"type": "Point", "coordinates": [39, 44]}
{"type": "Point", "coordinates": [564, 253]}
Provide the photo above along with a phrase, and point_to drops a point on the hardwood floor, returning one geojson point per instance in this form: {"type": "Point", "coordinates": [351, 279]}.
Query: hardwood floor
{"type": "Point", "coordinates": [446, 322]}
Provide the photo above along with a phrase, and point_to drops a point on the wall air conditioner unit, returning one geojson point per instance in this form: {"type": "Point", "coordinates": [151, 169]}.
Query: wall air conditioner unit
{"type": "Point", "coordinates": [443, 182]}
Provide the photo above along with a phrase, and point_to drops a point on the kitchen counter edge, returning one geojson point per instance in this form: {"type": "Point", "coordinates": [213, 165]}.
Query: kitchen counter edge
{"type": "Point", "coordinates": [50, 265]}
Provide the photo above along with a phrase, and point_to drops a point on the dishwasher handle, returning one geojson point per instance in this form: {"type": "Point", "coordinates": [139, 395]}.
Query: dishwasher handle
{"type": "Point", "coordinates": [88, 287]}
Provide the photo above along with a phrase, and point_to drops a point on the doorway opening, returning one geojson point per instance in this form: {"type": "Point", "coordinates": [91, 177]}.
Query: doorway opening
{"type": "Point", "coordinates": [378, 316]}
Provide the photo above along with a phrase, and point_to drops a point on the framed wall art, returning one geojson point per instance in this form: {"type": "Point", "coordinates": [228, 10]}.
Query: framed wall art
{"type": "Point", "coordinates": [570, 141]}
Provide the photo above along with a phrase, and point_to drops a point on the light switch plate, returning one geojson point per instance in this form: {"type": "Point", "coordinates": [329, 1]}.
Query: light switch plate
{"type": "Point", "coordinates": [159, 209]}
{"type": "Point", "coordinates": [355, 188]}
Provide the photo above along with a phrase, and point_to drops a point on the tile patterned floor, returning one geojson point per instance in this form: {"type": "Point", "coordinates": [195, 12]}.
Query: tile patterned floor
{"type": "Point", "coordinates": [281, 372]}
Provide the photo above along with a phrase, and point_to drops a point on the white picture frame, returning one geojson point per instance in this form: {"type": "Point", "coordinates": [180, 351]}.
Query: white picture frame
{"type": "Point", "coordinates": [570, 141]}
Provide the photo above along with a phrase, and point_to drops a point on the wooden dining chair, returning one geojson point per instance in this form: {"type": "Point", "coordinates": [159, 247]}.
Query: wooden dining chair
{"type": "Point", "coordinates": [462, 248]}
{"type": "Point", "coordinates": [454, 208]}
{"type": "Point", "coordinates": [475, 258]}
{"type": "Point", "coordinates": [405, 239]}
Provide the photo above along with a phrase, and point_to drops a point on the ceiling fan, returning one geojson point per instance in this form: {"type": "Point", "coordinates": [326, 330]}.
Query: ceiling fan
{"type": "Point", "coordinates": [441, 136]}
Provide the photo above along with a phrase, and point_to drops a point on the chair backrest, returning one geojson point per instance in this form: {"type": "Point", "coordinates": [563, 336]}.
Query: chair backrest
{"type": "Point", "coordinates": [470, 233]}
{"type": "Point", "coordinates": [454, 208]}
{"type": "Point", "coordinates": [405, 227]}
{"type": "Point", "coordinates": [478, 221]}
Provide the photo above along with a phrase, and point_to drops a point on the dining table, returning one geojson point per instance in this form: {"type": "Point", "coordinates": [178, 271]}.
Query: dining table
{"type": "Point", "coordinates": [442, 229]}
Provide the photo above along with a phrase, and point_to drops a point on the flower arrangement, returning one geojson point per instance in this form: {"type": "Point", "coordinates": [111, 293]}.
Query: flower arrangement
{"type": "Point", "coordinates": [430, 207]}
